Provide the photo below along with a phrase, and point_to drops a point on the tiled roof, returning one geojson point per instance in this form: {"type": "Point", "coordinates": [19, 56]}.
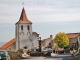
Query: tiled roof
{"type": "Point", "coordinates": [8, 44]}
{"type": "Point", "coordinates": [43, 41]}
{"type": "Point", "coordinates": [35, 33]}
{"type": "Point", "coordinates": [72, 35]}
{"type": "Point", "coordinates": [23, 18]}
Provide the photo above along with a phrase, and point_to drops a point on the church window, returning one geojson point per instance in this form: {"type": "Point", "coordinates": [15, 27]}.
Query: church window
{"type": "Point", "coordinates": [28, 27]}
{"type": "Point", "coordinates": [21, 27]}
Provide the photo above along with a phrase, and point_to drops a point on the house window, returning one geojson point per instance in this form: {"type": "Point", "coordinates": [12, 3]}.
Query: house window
{"type": "Point", "coordinates": [49, 45]}
{"type": "Point", "coordinates": [28, 27]}
{"type": "Point", "coordinates": [73, 45]}
{"type": "Point", "coordinates": [21, 27]}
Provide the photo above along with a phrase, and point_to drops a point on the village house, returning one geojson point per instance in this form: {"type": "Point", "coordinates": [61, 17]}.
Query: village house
{"type": "Point", "coordinates": [48, 42]}
{"type": "Point", "coordinates": [73, 40]}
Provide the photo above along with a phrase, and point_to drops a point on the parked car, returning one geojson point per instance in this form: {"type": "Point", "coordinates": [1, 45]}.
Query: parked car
{"type": "Point", "coordinates": [4, 55]}
{"type": "Point", "coordinates": [60, 50]}
{"type": "Point", "coordinates": [29, 51]}
{"type": "Point", "coordinates": [48, 49]}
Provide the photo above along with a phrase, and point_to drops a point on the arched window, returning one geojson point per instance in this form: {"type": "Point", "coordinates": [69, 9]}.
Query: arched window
{"type": "Point", "coordinates": [21, 27]}
{"type": "Point", "coordinates": [28, 27]}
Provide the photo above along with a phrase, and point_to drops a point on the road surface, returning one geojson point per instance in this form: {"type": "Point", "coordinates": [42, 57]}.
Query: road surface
{"type": "Point", "coordinates": [57, 57]}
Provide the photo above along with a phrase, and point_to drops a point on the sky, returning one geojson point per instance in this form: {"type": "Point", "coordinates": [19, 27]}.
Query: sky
{"type": "Point", "coordinates": [48, 16]}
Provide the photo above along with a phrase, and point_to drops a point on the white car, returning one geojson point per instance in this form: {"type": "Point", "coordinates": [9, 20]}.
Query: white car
{"type": "Point", "coordinates": [48, 50]}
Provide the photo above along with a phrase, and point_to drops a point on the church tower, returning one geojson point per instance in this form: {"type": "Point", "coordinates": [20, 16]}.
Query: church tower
{"type": "Point", "coordinates": [23, 31]}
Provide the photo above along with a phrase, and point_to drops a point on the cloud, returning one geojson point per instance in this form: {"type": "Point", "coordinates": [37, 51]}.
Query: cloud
{"type": "Point", "coordinates": [56, 18]}
{"type": "Point", "coordinates": [40, 10]}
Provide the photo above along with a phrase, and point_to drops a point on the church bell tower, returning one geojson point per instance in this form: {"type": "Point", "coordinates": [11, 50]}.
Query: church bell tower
{"type": "Point", "coordinates": [23, 31]}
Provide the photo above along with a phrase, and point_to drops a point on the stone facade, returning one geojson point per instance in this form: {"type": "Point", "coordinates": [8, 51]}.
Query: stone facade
{"type": "Point", "coordinates": [25, 38]}
{"type": "Point", "coordinates": [46, 42]}
{"type": "Point", "coordinates": [13, 46]}
{"type": "Point", "coordinates": [73, 40]}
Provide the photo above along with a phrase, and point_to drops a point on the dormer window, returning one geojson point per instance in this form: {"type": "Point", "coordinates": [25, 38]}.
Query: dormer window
{"type": "Point", "coordinates": [28, 27]}
{"type": "Point", "coordinates": [21, 27]}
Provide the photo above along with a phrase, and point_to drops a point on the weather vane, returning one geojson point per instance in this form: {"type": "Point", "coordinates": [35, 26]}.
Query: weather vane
{"type": "Point", "coordinates": [23, 4]}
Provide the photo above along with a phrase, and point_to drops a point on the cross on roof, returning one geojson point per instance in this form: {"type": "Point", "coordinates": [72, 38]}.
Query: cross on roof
{"type": "Point", "coordinates": [23, 4]}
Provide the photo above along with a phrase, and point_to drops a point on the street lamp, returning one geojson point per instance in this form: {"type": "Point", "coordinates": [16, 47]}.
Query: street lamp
{"type": "Point", "coordinates": [39, 41]}
{"type": "Point", "coordinates": [39, 38]}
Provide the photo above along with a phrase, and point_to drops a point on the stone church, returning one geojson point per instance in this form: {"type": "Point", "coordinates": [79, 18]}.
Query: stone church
{"type": "Point", "coordinates": [25, 38]}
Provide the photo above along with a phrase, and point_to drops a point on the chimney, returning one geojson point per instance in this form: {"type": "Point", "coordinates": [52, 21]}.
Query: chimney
{"type": "Point", "coordinates": [51, 36]}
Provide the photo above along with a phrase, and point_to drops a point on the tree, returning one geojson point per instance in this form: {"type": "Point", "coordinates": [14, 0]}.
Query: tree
{"type": "Point", "coordinates": [61, 40]}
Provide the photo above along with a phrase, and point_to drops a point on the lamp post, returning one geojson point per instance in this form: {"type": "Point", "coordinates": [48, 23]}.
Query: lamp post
{"type": "Point", "coordinates": [39, 41]}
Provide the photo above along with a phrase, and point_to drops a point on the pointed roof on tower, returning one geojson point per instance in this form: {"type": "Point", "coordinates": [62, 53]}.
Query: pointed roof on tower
{"type": "Point", "coordinates": [24, 18]}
